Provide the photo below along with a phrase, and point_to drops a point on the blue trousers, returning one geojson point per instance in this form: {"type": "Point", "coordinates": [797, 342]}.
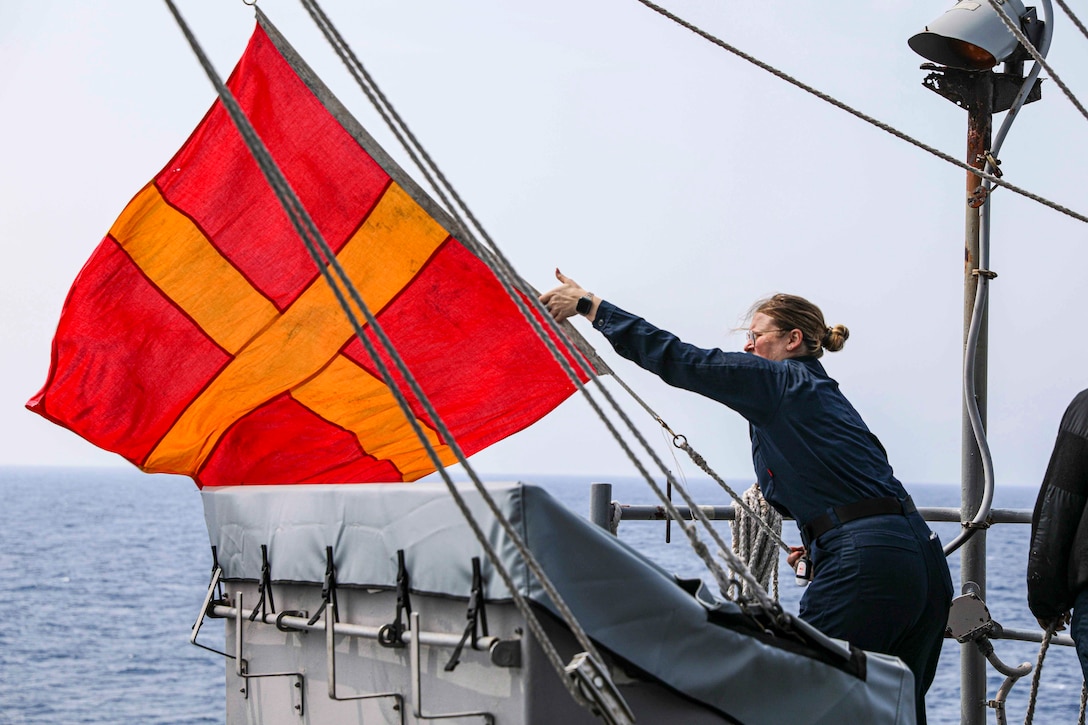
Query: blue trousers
{"type": "Point", "coordinates": [882, 584]}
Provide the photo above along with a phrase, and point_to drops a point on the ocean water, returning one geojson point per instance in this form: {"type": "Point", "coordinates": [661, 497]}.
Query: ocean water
{"type": "Point", "coordinates": [103, 571]}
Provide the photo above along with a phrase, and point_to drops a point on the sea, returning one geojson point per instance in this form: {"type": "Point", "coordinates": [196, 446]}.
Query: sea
{"type": "Point", "coordinates": [103, 572]}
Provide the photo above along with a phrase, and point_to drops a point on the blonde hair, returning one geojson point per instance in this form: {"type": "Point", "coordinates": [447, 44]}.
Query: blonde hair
{"type": "Point", "coordinates": [797, 313]}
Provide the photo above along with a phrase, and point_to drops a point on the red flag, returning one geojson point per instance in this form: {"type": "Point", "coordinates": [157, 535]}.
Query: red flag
{"type": "Point", "coordinates": [200, 339]}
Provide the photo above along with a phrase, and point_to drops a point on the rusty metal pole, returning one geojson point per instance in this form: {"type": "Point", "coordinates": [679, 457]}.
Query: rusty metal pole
{"type": "Point", "coordinates": [973, 553]}
{"type": "Point", "coordinates": [982, 94]}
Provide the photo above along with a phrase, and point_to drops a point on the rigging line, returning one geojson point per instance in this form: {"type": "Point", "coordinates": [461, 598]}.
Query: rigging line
{"type": "Point", "coordinates": [1034, 52]}
{"type": "Point", "coordinates": [1074, 18]}
{"type": "Point", "coordinates": [510, 280]}
{"type": "Point", "coordinates": [858, 114]}
{"type": "Point", "coordinates": [378, 100]}
{"type": "Point", "coordinates": [303, 224]}
{"type": "Point", "coordinates": [419, 155]}
{"type": "Point", "coordinates": [697, 513]}
{"type": "Point", "coordinates": [393, 120]}
{"type": "Point", "coordinates": [701, 462]}
{"type": "Point", "coordinates": [426, 164]}
{"type": "Point", "coordinates": [1034, 691]}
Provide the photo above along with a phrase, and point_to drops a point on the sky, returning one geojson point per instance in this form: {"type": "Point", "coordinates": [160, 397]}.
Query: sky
{"type": "Point", "coordinates": [659, 171]}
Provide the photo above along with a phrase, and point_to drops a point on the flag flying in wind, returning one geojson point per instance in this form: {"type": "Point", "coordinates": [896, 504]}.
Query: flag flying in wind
{"type": "Point", "coordinates": [200, 338]}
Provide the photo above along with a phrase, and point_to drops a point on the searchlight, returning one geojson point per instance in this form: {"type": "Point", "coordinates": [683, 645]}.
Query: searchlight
{"type": "Point", "coordinates": [972, 35]}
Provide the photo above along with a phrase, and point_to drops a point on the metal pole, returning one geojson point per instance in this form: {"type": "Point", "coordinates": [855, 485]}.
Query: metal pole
{"type": "Point", "coordinates": [973, 552]}
{"type": "Point", "coordinates": [600, 504]}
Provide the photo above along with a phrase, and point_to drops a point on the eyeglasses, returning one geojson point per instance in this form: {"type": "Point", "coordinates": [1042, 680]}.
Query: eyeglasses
{"type": "Point", "coordinates": [753, 335]}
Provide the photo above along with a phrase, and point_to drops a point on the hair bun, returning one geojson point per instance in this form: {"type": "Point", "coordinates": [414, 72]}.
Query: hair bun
{"type": "Point", "coordinates": [835, 338]}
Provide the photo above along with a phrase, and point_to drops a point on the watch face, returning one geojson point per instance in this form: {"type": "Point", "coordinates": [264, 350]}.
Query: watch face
{"type": "Point", "coordinates": [584, 304]}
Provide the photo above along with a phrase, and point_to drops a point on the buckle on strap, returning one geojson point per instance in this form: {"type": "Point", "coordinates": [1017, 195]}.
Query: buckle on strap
{"type": "Point", "coordinates": [857, 510]}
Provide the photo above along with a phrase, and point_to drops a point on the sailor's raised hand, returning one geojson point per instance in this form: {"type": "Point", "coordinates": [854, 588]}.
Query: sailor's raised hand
{"type": "Point", "coordinates": [563, 301]}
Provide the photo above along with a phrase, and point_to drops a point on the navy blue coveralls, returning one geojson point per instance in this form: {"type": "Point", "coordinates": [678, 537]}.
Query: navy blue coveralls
{"type": "Point", "coordinates": [881, 581]}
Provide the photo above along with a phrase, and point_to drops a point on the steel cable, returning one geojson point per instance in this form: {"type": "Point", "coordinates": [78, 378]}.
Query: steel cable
{"type": "Point", "coordinates": [858, 114]}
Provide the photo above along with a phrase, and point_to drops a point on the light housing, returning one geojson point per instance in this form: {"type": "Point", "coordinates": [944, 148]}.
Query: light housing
{"type": "Point", "coordinates": [971, 35]}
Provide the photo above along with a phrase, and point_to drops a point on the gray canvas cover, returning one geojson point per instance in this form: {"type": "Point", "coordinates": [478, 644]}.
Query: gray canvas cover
{"type": "Point", "coordinates": [701, 647]}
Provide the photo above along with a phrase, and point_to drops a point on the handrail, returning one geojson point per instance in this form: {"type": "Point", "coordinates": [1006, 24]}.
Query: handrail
{"type": "Point", "coordinates": [651, 512]}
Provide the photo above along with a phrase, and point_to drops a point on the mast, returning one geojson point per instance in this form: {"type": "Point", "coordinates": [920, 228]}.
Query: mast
{"type": "Point", "coordinates": [968, 45]}
{"type": "Point", "coordinates": [981, 93]}
{"type": "Point", "coordinates": [973, 552]}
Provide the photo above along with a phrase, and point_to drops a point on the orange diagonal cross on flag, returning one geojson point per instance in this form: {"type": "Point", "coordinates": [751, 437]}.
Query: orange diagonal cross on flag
{"type": "Point", "coordinates": [273, 352]}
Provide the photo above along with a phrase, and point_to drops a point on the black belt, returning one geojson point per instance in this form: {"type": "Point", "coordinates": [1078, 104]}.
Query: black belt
{"type": "Point", "coordinates": [858, 510]}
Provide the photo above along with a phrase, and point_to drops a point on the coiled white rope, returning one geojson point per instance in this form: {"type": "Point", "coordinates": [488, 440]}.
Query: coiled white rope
{"type": "Point", "coordinates": [751, 542]}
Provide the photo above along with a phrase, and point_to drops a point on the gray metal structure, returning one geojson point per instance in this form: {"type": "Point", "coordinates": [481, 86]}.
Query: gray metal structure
{"type": "Point", "coordinates": [373, 641]}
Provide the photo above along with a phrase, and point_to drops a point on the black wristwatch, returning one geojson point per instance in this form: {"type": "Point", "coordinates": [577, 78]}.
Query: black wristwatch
{"type": "Point", "coordinates": [585, 304]}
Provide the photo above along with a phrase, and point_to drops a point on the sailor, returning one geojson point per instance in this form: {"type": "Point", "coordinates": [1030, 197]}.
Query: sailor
{"type": "Point", "coordinates": [1058, 557]}
{"type": "Point", "coordinates": [880, 579]}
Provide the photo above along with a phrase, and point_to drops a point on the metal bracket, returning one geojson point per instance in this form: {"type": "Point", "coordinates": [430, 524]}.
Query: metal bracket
{"type": "Point", "coordinates": [968, 618]}
{"type": "Point", "coordinates": [264, 588]}
{"type": "Point", "coordinates": [242, 666]}
{"type": "Point", "coordinates": [969, 621]}
{"type": "Point", "coordinates": [995, 164]}
{"type": "Point", "coordinates": [217, 575]}
{"type": "Point", "coordinates": [978, 197]}
{"type": "Point", "coordinates": [391, 634]}
{"type": "Point", "coordinates": [328, 589]}
{"type": "Point", "coordinates": [1012, 674]}
{"type": "Point", "coordinates": [476, 613]}
{"type": "Point", "coordinates": [961, 87]}
{"type": "Point", "coordinates": [330, 655]}
{"type": "Point", "coordinates": [597, 690]}
{"type": "Point", "coordinates": [983, 525]}
{"type": "Point", "coordinates": [417, 685]}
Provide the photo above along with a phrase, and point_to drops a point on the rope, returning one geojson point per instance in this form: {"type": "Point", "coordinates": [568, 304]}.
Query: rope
{"type": "Point", "coordinates": [752, 544]}
{"type": "Point", "coordinates": [1043, 647]}
{"type": "Point", "coordinates": [1034, 52]}
{"type": "Point", "coordinates": [1076, 21]}
{"type": "Point", "coordinates": [382, 105]}
{"type": "Point", "coordinates": [1038, 671]}
{"type": "Point", "coordinates": [513, 283]}
{"type": "Point", "coordinates": [858, 114]}
{"type": "Point", "coordinates": [681, 442]}
{"type": "Point", "coordinates": [615, 516]}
